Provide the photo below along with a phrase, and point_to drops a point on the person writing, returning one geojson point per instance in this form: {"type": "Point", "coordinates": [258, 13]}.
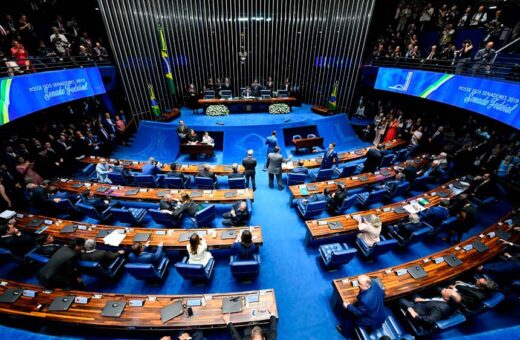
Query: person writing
{"type": "Point", "coordinates": [197, 250]}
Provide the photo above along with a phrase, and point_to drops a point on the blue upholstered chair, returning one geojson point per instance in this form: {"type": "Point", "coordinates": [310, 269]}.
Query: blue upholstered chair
{"type": "Point", "coordinates": [148, 271]}
{"type": "Point", "coordinates": [117, 178]}
{"type": "Point", "coordinates": [296, 178]}
{"type": "Point", "coordinates": [5, 254]}
{"type": "Point", "coordinates": [310, 209]}
{"type": "Point", "coordinates": [321, 175]}
{"type": "Point", "coordinates": [421, 182]}
{"type": "Point", "coordinates": [91, 212]}
{"type": "Point", "coordinates": [162, 218]}
{"type": "Point", "coordinates": [390, 328]}
{"type": "Point", "coordinates": [89, 172]}
{"type": "Point", "coordinates": [346, 171]}
{"type": "Point", "coordinates": [455, 319]}
{"type": "Point", "coordinates": [244, 270]}
{"type": "Point", "coordinates": [416, 236]}
{"type": "Point", "coordinates": [94, 268]}
{"type": "Point", "coordinates": [368, 198]}
{"type": "Point", "coordinates": [147, 181]}
{"type": "Point", "coordinates": [176, 182]}
{"type": "Point", "coordinates": [386, 160]}
{"type": "Point", "coordinates": [64, 206]}
{"type": "Point", "coordinates": [446, 225]}
{"type": "Point", "coordinates": [195, 272]}
{"type": "Point", "coordinates": [336, 254]}
{"type": "Point", "coordinates": [400, 156]}
{"type": "Point", "coordinates": [345, 205]}
{"type": "Point", "coordinates": [129, 215]}
{"type": "Point", "coordinates": [205, 183]}
{"type": "Point", "coordinates": [204, 217]}
{"type": "Point", "coordinates": [34, 257]}
{"type": "Point", "coordinates": [482, 203]}
{"type": "Point", "coordinates": [399, 190]}
{"type": "Point", "coordinates": [378, 248]}
{"type": "Point", "coordinates": [237, 183]}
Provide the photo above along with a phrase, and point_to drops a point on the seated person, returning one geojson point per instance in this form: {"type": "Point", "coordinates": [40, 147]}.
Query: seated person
{"type": "Point", "coordinates": [187, 207]}
{"type": "Point", "coordinates": [45, 245]}
{"type": "Point", "coordinates": [235, 173]}
{"type": "Point", "coordinates": [40, 197]}
{"type": "Point", "coordinates": [409, 172]}
{"type": "Point", "coordinates": [192, 137]}
{"type": "Point", "coordinates": [435, 215]}
{"type": "Point", "coordinates": [405, 230]}
{"type": "Point", "coordinates": [335, 199]}
{"type": "Point", "coordinates": [206, 172]}
{"type": "Point", "coordinates": [426, 312]}
{"type": "Point", "coordinates": [175, 173]}
{"type": "Point", "coordinates": [300, 169]}
{"type": "Point", "coordinates": [105, 258]}
{"type": "Point", "coordinates": [197, 250]}
{"type": "Point", "coordinates": [486, 188]}
{"type": "Point", "coordinates": [244, 248]}
{"type": "Point", "coordinates": [14, 240]}
{"type": "Point", "coordinates": [206, 139]}
{"type": "Point", "coordinates": [369, 229]}
{"type": "Point", "coordinates": [472, 295]}
{"type": "Point", "coordinates": [255, 333]}
{"type": "Point", "coordinates": [392, 184]}
{"type": "Point", "coordinates": [61, 271]}
{"type": "Point", "coordinates": [169, 205]}
{"type": "Point", "coordinates": [140, 253]}
{"type": "Point", "coordinates": [368, 311]}
{"type": "Point", "coordinates": [102, 170]}
{"type": "Point", "coordinates": [117, 168]}
{"type": "Point", "coordinates": [506, 267]}
{"type": "Point", "coordinates": [151, 168]}
{"type": "Point", "coordinates": [98, 203]}
{"type": "Point", "coordinates": [238, 216]}
{"type": "Point", "coordinates": [247, 92]}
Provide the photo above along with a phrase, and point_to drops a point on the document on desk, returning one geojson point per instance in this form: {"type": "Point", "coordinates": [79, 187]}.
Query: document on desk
{"type": "Point", "coordinates": [412, 209]}
{"type": "Point", "coordinates": [114, 239]}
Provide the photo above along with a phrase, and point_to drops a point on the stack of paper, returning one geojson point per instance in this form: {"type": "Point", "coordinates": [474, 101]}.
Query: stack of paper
{"type": "Point", "coordinates": [114, 239]}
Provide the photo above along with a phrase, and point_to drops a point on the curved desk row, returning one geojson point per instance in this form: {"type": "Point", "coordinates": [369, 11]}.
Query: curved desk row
{"type": "Point", "coordinates": [397, 281]}
{"type": "Point", "coordinates": [344, 224]}
{"type": "Point", "coordinates": [193, 169]}
{"type": "Point", "coordinates": [154, 194]}
{"type": "Point", "coordinates": [357, 181]}
{"type": "Point", "coordinates": [88, 309]}
{"type": "Point", "coordinates": [171, 238]}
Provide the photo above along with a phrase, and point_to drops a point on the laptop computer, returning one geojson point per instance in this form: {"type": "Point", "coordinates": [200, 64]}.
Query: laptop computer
{"type": "Point", "coordinates": [69, 229]}
{"type": "Point", "coordinates": [141, 237]}
{"type": "Point", "coordinates": [363, 178]}
{"type": "Point", "coordinates": [102, 189]}
{"type": "Point", "coordinates": [103, 233]}
{"type": "Point", "coordinates": [113, 308]}
{"type": "Point", "coordinates": [458, 186]}
{"type": "Point", "coordinates": [11, 295]}
{"type": "Point", "coordinates": [35, 222]}
{"type": "Point", "coordinates": [442, 194]}
{"type": "Point", "coordinates": [452, 260]}
{"type": "Point", "coordinates": [230, 194]}
{"type": "Point", "coordinates": [227, 234]}
{"type": "Point", "coordinates": [131, 192]}
{"type": "Point", "coordinates": [186, 236]}
{"type": "Point", "coordinates": [335, 225]}
{"type": "Point", "coordinates": [399, 210]}
{"type": "Point", "coordinates": [416, 271]}
{"type": "Point", "coordinates": [312, 187]}
{"type": "Point", "coordinates": [194, 194]}
{"type": "Point", "coordinates": [171, 311]}
{"type": "Point", "coordinates": [503, 235]}
{"type": "Point", "coordinates": [479, 246]}
{"type": "Point", "coordinates": [232, 304]}
{"type": "Point", "coordinates": [77, 185]}
{"type": "Point", "coordinates": [61, 303]}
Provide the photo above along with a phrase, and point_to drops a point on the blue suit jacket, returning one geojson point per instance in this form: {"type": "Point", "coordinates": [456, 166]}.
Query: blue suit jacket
{"type": "Point", "coordinates": [271, 142]}
{"type": "Point", "coordinates": [150, 169]}
{"type": "Point", "coordinates": [435, 215]}
{"type": "Point", "coordinates": [328, 160]}
{"type": "Point", "coordinates": [369, 308]}
{"type": "Point", "coordinates": [147, 257]}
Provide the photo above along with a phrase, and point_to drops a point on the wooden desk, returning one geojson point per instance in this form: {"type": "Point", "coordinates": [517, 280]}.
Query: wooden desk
{"type": "Point", "coordinates": [152, 194]}
{"type": "Point", "coordinates": [169, 237]}
{"type": "Point", "coordinates": [308, 143]}
{"type": "Point", "coordinates": [256, 100]}
{"type": "Point", "coordinates": [343, 156]}
{"type": "Point", "coordinates": [319, 229]}
{"type": "Point", "coordinates": [351, 182]}
{"type": "Point", "coordinates": [196, 149]}
{"type": "Point", "coordinates": [191, 169]}
{"type": "Point", "coordinates": [143, 318]}
{"type": "Point", "coordinates": [398, 286]}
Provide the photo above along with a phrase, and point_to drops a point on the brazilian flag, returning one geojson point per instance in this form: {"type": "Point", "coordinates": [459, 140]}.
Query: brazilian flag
{"type": "Point", "coordinates": [332, 98]}
{"type": "Point", "coordinates": [166, 62]}
{"type": "Point", "coordinates": [5, 89]}
{"type": "Point", "coordinates": [153, 102]}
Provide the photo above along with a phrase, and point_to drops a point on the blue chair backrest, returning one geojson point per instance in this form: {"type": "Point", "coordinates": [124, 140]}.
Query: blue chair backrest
{"type": "Point", "coordinates": [375, 196]}
{"type": "Point", "coordinates": [173, 182]}
{"type": "Point", "coordinates": [237, 183]}
{"type": "Point", "coordinates": [347, 203]}
{"type": "Point", "coordinates": [90, 211]}
{"type": "Point", "coordinates": [390, 328]}
{"type": "Point", "coordinates": [296, 178]}
{"type": "Point", "coordinates": [117, 178]}
{"type": "Point", "coordinates": [324, 174]}
{"type": "Point", "coordinates": [387, 160]}
{"type": "Point", "coordinates": [204, 182]}
{"type": "Point", "coordinates": [205, 216]}
{"type": "Point", "coordinates": [400, 155]}
{"type": "Point", "coordinates": [421, 181]}
{"type": "Point", "coordinates": [342, 256]}
{"type": "Point", "coordinates": [448, 223]}
{"type": "Point", "coordinates": [420, 234]}
{"type": "Point", "coordinates": [144, 180]}
{"type": "Point", "coordinates": [142, 271]}
{"type": "Point", "coordinates": [494, 300]}
{"type": "Point", "coordinates": [383, 246]}
{"type": "Point", "coordinates": [34, 256]}
{"type": "Point", "coordinates": [401, 188]}
{"type": "Point", "coordinates": [245, 268]}
{"type": "Point", "coordinates": [316, 206]}
{"type": "Point", "coordinates": [64, 205]}
{"type": "Point", "coordinates": [160, 217]}
{"type": "Point", "coordinates": [348, 170]}
{"type": "Point", "coordinates": [123, 215]}
{"type": "Point", "coordinates": [193, 271]}
{"type": "Point", "coordinates": [89, 171]}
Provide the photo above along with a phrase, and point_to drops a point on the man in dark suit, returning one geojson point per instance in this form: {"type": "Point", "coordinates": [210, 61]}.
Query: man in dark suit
{"type": "Point", "coordinates": [170, 206]}
{"type": "Point", "coordinates": [255, 333]}
{"type": "Point", "coordinates": [275, 160]}
{"type": "Point", "coordinates": [426, 312]}
{"type": "Point", "coordinates": [187, 207]}
{"type": "Point", "coordinates": [206, 172]}
{"type": "Point", "coordinates": [235, 173]}
{"type": "Point", "coordinates": [109, 124]}
{"type": "Point", "coordinates": [46, 246]}
{"type": "Point", "coordinates": [98, 203]}
{"type": "Point", "coordinates": [14, 240]}
{"type": "Point", "coordinates": [271, 143]}
{"type": "Point", "coordinates": [182, 131]}
{"type": "Point", "coordinates": [472, 295]}
{"type": "Point", "coordinates": [140, 253]}
{"type": "Point", "coordinates": [373, 159]}
{"type": "Point", "coordinates": [61, 271]}
{"type": "Point", "coordinates": [178, 174]}
{"type": "Point", "coordinates": [249, 164]}
{"type": "Point", "coordinates": [435, 215]}
{"type": "Point", "coordinates": [300, 169]}
{"type": "Point", "coordinates": [405, 230]}
{"type": "Point", "coordinates": [335, 199]}
{"type": "Point", "coordinates": [330, 157]}
{"type": "Point", "coordinates": [104, 257]}
{"type": "Point", "coordinates": [486, 188]}
{"type": "Point", "coordinates": [410, 172]}
{"type": "Point", "coordinates": [238, 216]}
{"type": "Point", "coordinates": [368, 311]}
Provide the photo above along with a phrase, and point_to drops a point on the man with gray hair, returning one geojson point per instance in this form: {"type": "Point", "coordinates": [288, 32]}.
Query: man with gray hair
{"type": "Point", "coordinates": [249, 164]}
{"type": "Point", "coordinates": [435, 215]}
{"type": "Point", "coordinates": [99, 255]}
{"type": "Point", "coordinates": [235, 173]}
{"type": "Point", "coordinates": [238, 216]}
{"type": "Point", "coordinates": [405, 230]}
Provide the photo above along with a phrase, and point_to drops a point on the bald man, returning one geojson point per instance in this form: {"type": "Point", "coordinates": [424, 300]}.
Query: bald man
{"type": "Point", "coordinates": [368, 311]}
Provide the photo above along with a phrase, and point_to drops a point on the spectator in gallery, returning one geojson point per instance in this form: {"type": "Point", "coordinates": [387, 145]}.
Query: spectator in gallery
{"type": "Point", "coordinates": [45, 52]}
{"type": "Point", "coordinates": [465, 18]}
{"type": "Point", "coordinates": [464, 55]}
{"type": "Point", "coordinates": [120, 129]}
{"type": "Point", "coordinates": [479, 19]}
{"type": "Point", "coordinates": [60, 42]}
{"type": "Point", "coordinates": [484, 58]}
{"type": "Point", "coordinates": [99, 52]}
{"type": "Point", "coordinates": [21, 55]}
{"type": "Point", "coordinates": [25, 169]}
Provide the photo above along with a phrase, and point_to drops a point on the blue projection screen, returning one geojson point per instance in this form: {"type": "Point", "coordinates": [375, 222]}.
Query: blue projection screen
{"type": "Point", "coordinates": [25, 94]}
{"type": "Point", "coordinates": [496, 99]}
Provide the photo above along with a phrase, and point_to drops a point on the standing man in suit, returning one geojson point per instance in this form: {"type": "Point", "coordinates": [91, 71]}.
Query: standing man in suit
{"type": "Point", "coordinates": [255, 333]}
{"type": "Point", "coordinates": [249, 164]}
{"type": "Point", "coordinates": [373, 159]}
{"type": "Point", "coordinates": [105, 258]}
{"type": "Point", "coordinates": [140, 253]}
{"type": "Point", "coordinates": [271, 143]}
{"type": "Point", "coordinates": [182, 131]}
{"type": "Point", "coordinates": [275, 160]}
{"type": "Point", "coordinates": [151, 167]}
{"type": "Point", "coordinates": [368, 311]}
{"type": "Point", "coordinates": [330, 157]}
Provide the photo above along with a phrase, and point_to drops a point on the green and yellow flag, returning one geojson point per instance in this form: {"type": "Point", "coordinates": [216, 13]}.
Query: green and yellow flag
{"type": "Point", "coordinates": [332, 98]}
{"type": "Point", "coordinates": [153, 102]}
{"type": "Point", "coordinates": [166, 62]}
{"type": "Point", "coordinates": [5, 89]}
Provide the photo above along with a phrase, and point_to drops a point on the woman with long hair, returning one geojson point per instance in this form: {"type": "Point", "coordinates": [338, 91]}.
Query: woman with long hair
{"type": "Point", "coordinates": [25, 168]}
{"type": "Point", "coordinates": [244, 246]}
{"type": "Point", "coordinates": [197, 250]}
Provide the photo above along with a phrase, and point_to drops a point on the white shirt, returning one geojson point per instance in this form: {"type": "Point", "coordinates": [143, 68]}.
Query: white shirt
{"type": "Point", "coordinates": [202, 256]}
